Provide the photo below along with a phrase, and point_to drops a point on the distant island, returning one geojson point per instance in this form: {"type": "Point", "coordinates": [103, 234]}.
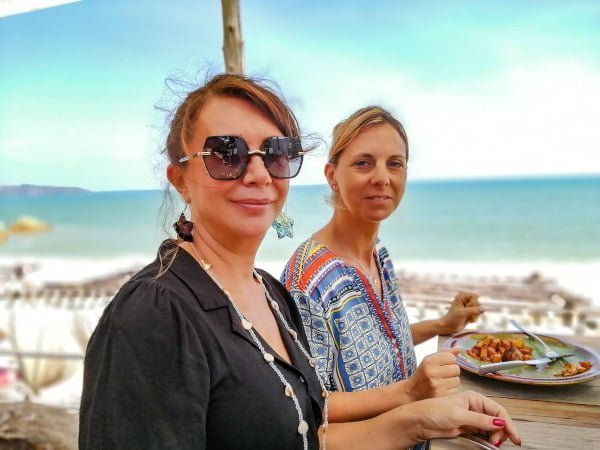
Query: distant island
{"type": "Point", "coordinates": [34, 190]}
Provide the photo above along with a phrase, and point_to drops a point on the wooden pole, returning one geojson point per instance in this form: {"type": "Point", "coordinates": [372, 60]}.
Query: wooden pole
{"type": "Point", "coordinates": [233, 45]}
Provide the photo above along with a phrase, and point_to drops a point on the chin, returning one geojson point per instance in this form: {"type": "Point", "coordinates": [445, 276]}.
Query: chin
{"type": "Point", "coordinates": [378, 216]}
{"type": "Point", "coordinates": [252, 229]}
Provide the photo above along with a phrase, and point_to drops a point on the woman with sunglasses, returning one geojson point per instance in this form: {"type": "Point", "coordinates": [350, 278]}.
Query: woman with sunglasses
{"type": "Point", "coordinates": [202, 350]}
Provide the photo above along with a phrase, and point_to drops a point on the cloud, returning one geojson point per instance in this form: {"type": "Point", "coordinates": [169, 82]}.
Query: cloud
{"type": "Point", "coordinates": [484, 90]}
{"type": "Point", "coordinates": [109, 154]}
{"type": "Point", "coordinates": [526, 120]}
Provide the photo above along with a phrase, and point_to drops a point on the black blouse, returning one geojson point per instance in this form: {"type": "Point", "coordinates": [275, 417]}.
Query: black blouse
{"type": "Point", "coordinates": [169, 366]}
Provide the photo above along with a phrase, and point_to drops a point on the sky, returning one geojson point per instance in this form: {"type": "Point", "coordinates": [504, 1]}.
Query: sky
{"type": "Point", "coordinates": [485, 89]}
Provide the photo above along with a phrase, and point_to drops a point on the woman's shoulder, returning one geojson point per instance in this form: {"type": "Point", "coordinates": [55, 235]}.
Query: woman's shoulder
{"type": "Point", "coordinates": [308, 249]}
{"type": "Point", "coordinates": [154, 294]}
{"type": "Point", "coordinates": [380, 247]}
{"type": "Point", "coordinates": [309, 261]}
{"type": "Point", "coordinates": [382, 252]}
{"type": "Point", "coordinates": [142, 298]}
{"type": "Point", "coordinates": [156, 277]}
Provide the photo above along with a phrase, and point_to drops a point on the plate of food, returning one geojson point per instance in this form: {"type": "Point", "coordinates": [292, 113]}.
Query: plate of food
{"type": "Point", "coordinates": [462, 443]}
{"type": "Point", "coordinates": [478, 348]}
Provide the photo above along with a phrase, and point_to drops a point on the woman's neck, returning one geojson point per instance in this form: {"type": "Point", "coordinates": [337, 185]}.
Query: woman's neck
{"type": "Point", "coordinates": [351, 238]}
{"type": "Point", "coordinates": [231, 261]}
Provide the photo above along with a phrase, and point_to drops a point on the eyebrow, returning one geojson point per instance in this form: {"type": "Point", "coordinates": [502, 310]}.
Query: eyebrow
{"type": "Point", "coordinates": [370, 155]}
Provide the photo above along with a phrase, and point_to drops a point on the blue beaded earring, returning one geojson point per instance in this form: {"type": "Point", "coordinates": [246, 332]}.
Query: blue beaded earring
{"type": "Point", "coordinates": [284, 225]}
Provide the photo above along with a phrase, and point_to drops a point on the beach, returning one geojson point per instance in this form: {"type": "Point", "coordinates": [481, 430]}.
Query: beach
{"type": "Point", "coordinates": [55, 303]}
{"type": "Point", "coordinates": [580, 278]}
{"type": "Point", "coordinates": [531, 248]}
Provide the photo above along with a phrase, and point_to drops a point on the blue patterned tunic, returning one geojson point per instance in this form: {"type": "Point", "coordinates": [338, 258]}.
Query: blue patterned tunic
{"type": "Point", "coordinates": [360, 340]}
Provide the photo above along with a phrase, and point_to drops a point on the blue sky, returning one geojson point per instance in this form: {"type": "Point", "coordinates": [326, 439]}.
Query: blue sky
{"type": "Point", "coordinates": [485, 89]}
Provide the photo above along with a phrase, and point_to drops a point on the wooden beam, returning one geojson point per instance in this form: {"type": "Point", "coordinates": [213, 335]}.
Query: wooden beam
{"type": "Point", "coordinates": [233, 45]}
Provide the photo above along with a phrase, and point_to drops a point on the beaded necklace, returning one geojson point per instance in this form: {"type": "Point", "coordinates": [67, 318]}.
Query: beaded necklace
{"type": "Point", "coordinates": [269, 358]}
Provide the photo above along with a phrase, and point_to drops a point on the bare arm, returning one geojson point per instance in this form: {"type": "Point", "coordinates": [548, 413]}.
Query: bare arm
{"type": "Point", "coordinates": [422, 331]}
{"type": "Point", "coordinates": [360, 405]}
{"type": "Point", "coordinates": [464, 309]}
{"type": "Point", "coordinates": [436, 376]}
{"type": "Point", "coordinates": [383, 432]}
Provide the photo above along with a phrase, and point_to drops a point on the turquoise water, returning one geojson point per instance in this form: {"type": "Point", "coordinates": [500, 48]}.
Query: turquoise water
{"type": "Point", "coordinates": [492, 220]}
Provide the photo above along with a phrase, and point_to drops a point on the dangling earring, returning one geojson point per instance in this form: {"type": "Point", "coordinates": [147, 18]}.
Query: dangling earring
{"type": "Point", "coordinates": [284, 225]}
{"type": "Point", "coordinates": [183, 227]}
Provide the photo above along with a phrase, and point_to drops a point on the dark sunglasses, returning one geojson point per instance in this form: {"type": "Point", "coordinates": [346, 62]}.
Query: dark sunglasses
{"type": "Point", "coordinates": [227, 157]}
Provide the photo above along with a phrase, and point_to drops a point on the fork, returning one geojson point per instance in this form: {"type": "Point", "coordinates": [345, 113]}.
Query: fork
{"type": "Point", "coordinates": [548, 352]}
{"type": "Point", "coordinates": [540, 363]}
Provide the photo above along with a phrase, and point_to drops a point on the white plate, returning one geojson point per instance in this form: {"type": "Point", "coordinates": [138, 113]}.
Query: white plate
{"type": "Point", "coordinates": [461, 443]}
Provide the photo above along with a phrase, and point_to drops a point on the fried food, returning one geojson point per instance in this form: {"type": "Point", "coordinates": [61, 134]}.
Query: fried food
{"type": "Point", "coordinates": [572, 369]}
{"type": "Point", "coordinates": [493, 349]}
{"type": "Point", "coordinates": [512, 354]}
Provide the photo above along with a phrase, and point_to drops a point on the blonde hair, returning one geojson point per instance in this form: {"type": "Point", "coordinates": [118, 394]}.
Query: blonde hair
{"type": "Point", "coordinates": [348, 129]}
{"type": "Point", "coordinates": [359, 121]}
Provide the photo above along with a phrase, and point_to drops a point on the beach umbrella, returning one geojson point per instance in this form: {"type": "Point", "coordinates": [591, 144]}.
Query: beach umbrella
{"type": "Point", "coordinates": [3, 233]}
{"type": "Point", "coordinates": [28, 224]}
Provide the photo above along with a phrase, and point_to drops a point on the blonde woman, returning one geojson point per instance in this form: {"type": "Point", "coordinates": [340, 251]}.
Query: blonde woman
{"type": "Point", "coordinates": [342, 277]}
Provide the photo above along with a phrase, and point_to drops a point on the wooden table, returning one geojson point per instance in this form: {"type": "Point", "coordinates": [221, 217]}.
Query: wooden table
{"type": "Point", "coordinates": [548, 417]}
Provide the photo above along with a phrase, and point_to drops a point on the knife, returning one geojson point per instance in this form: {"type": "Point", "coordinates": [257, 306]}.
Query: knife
{"type": "Point", "coordinates": [495, 367]}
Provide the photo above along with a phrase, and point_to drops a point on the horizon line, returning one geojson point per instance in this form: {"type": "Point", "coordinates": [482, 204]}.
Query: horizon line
{"type": "Point", "coordinates": [525, 177]}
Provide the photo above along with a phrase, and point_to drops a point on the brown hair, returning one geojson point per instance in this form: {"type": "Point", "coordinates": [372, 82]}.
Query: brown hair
{"type": "Point", "coordinates": [259, 92]}
{"type": "Point", "coordinates": [348, 129]}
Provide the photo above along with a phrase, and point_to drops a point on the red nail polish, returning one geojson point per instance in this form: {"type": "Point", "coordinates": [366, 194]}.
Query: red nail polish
{"type": "Point", "coordinates": [498, 443]}
{"type": "Point", "coordinates": [497, 422]}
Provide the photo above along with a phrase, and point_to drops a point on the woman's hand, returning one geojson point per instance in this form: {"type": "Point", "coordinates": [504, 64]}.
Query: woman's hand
{"type": "Point", "coordinates": [437, 375]}
{"type": "Point", "coordinates": [463, 413]}
{"type": "Point", "coordinates": [465, 309]}
{"type": "Point", "coordinates": [407, 425]}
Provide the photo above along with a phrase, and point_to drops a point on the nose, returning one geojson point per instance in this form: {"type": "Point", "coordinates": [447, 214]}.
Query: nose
{"type": "Point", "coordinates": [381, 175]}
{"type": "Point", "coordinates": [256, 172]}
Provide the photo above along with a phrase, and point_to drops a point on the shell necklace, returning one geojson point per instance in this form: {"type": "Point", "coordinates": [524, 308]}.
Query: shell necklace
{"type": "Point", "coordinates": [270, 359]}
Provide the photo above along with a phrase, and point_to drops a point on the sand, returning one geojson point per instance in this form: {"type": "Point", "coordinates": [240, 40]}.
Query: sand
{"type": "Point", "coordinates": [75, 291]}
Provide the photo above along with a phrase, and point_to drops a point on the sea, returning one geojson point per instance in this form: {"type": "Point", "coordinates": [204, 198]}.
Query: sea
{"type": "Point", "coordinates": [492, 223]}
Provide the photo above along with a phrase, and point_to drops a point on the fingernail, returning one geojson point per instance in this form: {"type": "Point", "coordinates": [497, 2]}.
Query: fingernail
{"type": "Point", "coordinates": [497, 422]}
{"type": "Point", "coordinates": [520, 443]}
{"type": "Point", "coordinates": [498, 443]}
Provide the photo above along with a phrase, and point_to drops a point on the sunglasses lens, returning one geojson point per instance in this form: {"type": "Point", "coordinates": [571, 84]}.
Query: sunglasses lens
{"type": "Point", "coordinates": [282, 158]}
{"type": "Point", "coordinates": [228, 158]}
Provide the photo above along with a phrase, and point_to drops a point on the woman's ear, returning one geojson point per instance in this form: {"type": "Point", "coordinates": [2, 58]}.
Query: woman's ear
{"type": "Point", "coordinates": [176, 178]}
{"type": "Point", "coordinates": [329, 171]}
